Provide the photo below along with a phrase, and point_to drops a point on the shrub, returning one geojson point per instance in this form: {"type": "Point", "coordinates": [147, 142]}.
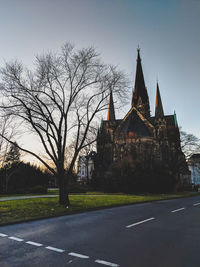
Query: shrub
{"type": "Point", "coordinates": [134, 177]}
{"type": "Point", "coordinates": [78, 188]}
{"type": "Point", "coordinates": [38, 189]}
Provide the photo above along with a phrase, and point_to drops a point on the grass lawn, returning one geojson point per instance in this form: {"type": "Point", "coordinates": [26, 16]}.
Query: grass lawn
{"type": "Point", "coordinates": [26, 209]}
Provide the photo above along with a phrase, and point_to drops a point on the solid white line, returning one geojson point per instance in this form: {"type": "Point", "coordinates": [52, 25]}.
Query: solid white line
{"type": "Point", "coordinates": [55, 249]}
{"type": "Point", "coordinates": [128, 226]}
{"type": "Point", "coordinates": [107, 263]}
{"type": "Point", "coordinates": [3, 235]}
{"type": "Point", "coordinates": [195, 204]}
{"type": "Point", "coordinates": [78, 255]}
{"type": "Point", "coordinates": [34, 243]}
{"type": "Point", "coordinates": [16, 238]}
{"type": "Point", "coordinates": [177, 210]}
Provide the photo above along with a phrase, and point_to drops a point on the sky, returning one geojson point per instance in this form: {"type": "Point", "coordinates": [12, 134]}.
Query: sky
{"type": "Point", "coordinates": [167, 31]}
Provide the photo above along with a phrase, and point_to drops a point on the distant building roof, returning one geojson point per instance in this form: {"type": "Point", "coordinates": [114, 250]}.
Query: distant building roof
{"type": "Point", "coordinates": [195, 156]}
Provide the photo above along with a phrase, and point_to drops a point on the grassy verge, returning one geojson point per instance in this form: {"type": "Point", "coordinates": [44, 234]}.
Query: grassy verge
{"type": "Point", "coordinates": [27, 209]}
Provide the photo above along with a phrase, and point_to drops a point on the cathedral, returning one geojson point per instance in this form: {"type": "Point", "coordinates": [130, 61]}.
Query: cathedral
{"type": "Point", "coordinates": [145, 139]}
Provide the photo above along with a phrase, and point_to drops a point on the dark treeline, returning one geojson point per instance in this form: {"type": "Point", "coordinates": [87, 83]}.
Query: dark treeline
{"type": "Point", "coordinates": [23, 177]}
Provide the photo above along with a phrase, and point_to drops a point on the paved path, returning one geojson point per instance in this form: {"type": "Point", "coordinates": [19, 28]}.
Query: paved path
{"type": "Point", "coordinates": [25, 197]}
{"type": "Point", "coordinates": [157, 234]}
{"type": "Point", "coordinates": [39, 196]}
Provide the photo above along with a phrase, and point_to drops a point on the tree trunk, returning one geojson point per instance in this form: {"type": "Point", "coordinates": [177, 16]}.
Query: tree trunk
{"type": "Point", "coordinates": [63, 192]}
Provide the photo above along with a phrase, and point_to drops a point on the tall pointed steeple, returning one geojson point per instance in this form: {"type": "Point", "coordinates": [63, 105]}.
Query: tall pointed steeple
{"type": "Point", "coordinates": [111, 109]}
{"type": "Point", "coordinates": [140, 99]}
{"type": "Point", "coordinates": [159, 108]}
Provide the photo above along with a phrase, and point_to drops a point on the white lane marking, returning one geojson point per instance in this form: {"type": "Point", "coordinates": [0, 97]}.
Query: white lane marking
{"type": "Point", "coordinates": [107, 263]}
{"type": "Point", "coordinates": [78, 255]}
{"type": "Point", "coordinates": [55, 249]}
{"type": "Point", "coordinates": [128, 226]}
{"type": "Point", "coordinates": [177, 210]}
{"type": "Point", "coordinates": [34, 243]}
{"type": "Point", "coordinates": [196, 204]}
{"type": "Point", "coordinates": [3, 235]}
{"type": "Point", "coordinates": [16, 238]}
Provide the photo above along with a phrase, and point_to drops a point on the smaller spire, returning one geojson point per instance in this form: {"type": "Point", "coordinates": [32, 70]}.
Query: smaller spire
{"type": "Point", "coordinates": [175, 119]}
{"type": "Point", "coordinates": [138, 55]}
{"type": "Point", "coordinates": [159, 108]}
{"type": "Point", "coordinates": [111, 109]}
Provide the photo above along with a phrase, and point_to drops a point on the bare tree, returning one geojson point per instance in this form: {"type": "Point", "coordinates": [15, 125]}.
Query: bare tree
{"type": "Point", "coordinates": [60, 101]}
{"type": "Point", "coordinates": [7, 129]}
{"type": "Point", "coordinates": [190, 144]}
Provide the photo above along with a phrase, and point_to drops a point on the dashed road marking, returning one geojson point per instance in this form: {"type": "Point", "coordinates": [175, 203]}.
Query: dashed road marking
{"type": "Point", "coordinates": [34, 243]}
{"type": "Point", "coordinates": [3, 235]}
{"type": "Point", "coordinates": [107, 263]}
{"type": "Point", "coordinates": [78, 255]}
{"type": "Point", "coordinates": [196, 204]}
{"type": "Point", "coordinates": [16, 238]}
{"type": "Point", "coordinates": [134, 224]}
{"type": "Point", "coordinates": [60, 250]}
{"type": "Point", "coordinates": [55, 249]}
{"type": "Point", "coordinates": [178, 210]}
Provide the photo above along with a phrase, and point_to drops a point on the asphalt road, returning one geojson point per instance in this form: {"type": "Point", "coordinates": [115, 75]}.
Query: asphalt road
{"type": "Point", "coordinates": [157, 234]}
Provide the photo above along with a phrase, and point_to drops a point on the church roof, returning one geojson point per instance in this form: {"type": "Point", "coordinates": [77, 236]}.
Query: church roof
{"type": "Point", "coordinates": [170, 120]}
{"type": "Point", "coordinates": [135, 123]}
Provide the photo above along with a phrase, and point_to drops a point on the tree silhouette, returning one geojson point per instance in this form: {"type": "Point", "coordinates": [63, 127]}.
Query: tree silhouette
{"type": "Point", "coordinates": [13, 155]}
{"type": "Point", "coordinates": [60, 101]}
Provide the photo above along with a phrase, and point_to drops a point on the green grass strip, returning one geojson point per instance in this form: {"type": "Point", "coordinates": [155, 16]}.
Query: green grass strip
{"type": "Point", "coordinates": [28, 209]}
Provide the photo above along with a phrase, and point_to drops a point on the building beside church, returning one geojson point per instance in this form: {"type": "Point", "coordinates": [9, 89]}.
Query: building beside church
{"type": "Point", "coordinates": [85, 167]}
{"type": "Point", "coordinates": [194, 167]}
{"type": "Point", "coordinates": [146, 139]}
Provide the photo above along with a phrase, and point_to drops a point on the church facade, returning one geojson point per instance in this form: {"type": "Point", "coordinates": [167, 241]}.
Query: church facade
{"type": "Point", "coordinates": [140, 137]}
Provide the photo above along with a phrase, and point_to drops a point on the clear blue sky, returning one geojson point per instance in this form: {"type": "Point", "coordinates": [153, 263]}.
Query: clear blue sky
{"type": "Point", "coordinates": [167, 31]}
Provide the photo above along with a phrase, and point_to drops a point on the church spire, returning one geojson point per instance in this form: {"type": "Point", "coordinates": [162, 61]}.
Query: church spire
{"type": "Point", "coordinates": [140, 99]}
{"type": "Point", "coordinates": [111, 109]}
{"type": "Point", "coordinates": [159, 108]}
